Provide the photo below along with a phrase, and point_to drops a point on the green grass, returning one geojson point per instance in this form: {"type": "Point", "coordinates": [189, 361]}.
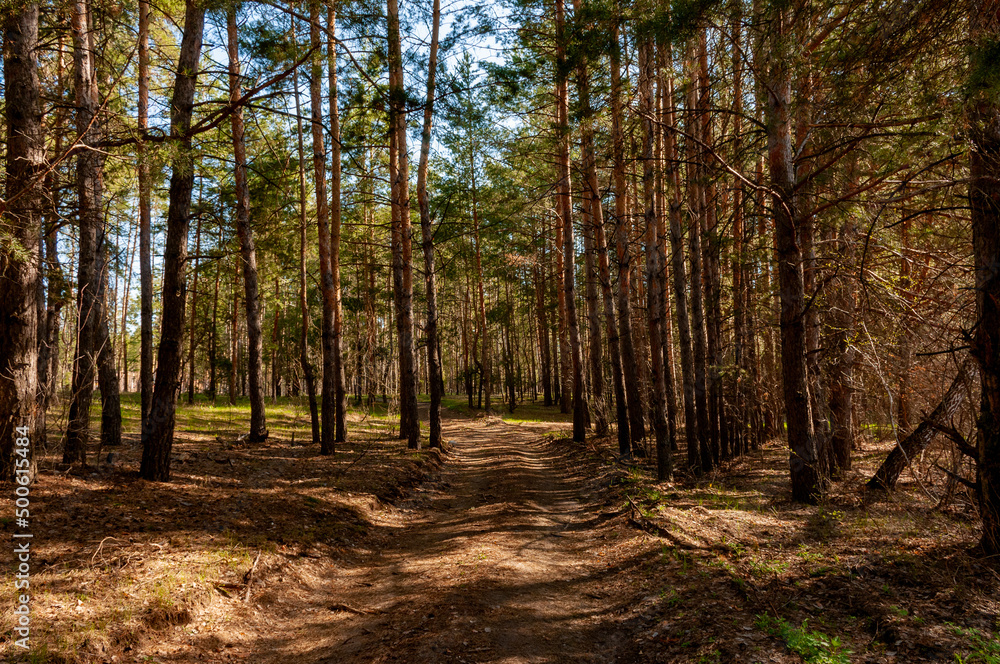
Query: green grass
{"type": "Point", "coordinates": [813, 646]}
{"type": "Point", "coordinates": [985, 649]}
{"type": "Point", "coordinates": [524, 412]}
{"type": "Point", "coordinates": [287, 417]}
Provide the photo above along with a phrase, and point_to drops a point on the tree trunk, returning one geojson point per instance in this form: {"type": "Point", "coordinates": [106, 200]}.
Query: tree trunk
{"type": "Point", "coordinates": [485, 366]}
{"type": "Point", "coordinates": [630, 373]}
{"type": "Point", "coordinates": [654, 294]}
{"type": "Point", "coordinates": [25, 161]}
{"type": "Point", "coordinates": [248, 252]}
{"type": "Point", "coordinates": [275, 336]}
{"type": "Point", "coordinates": [910, 447]}
{"type": "Point", "coordinates": [593, 216]}
{"type": "Point", "coordinates": [697, 203]}
{"type": "Point", "coordinates": [680, 277]}
{"type": "Point", "coordinates": [145, 226]}
{"type": "Point", "coordinates": [427, 236]}
{"type": "Point", "coordinates": [158, 436]}
{"type": "Point", "coordinates": [666, 326]}
{"type": "Point", "coordinates": [841, 375]}
{"type": "Point", "coordinates": [339, 380]}
{"type": "Point", "coordinates": [983, 113]}
{"type": "Point", "coordinates": [403, 258]}
{"type": "Point", "coordinates": [107, 376]}
{"type": "Point", "coordinates": [213, 347]}
{"type": "Point", "coordinates": [804, 463]}
{"type": "Point", "coordinates": [328, 413]}
{"type": "Point", "coordinates": [57, 290]}
{"type": "Point", "coordinates": [580, 415]}
{"type": "Point", "coordinates": [90, 290]}
{"type": "Point", "coordinates": [565, 378]}
{"type": "Point", "coordinates": [711, 248]}
{"type": "Point", "coordinates": [194, 307]}
{"type": "Point", "coordinates": [543, 330]}
{"type": "Point", "coordinates": [234, 338]}
{"type": "Point", "coordinates": [307, 369]}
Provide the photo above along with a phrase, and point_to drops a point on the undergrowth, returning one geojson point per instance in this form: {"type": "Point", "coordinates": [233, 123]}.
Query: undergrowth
{"type": "Point", "coordinates": [813, 646]}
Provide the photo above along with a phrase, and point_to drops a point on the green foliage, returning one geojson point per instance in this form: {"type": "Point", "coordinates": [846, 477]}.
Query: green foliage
{"type": "Point", "coordinates": [984, 73]}
{"type": "Point", "coordinates": [814, 647]}
{"type": "Point", "coordinates": [985, 648]}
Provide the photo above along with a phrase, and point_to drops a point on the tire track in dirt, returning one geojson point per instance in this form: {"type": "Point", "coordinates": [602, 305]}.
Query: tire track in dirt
{"type": "Point", "coordinates": [492, 562]}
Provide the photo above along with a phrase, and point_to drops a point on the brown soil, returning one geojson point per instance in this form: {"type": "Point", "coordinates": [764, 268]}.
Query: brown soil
{"type": "Point", "coordinates": [521, 547]}
{"type": "Point", "coordinates": [494, 561]}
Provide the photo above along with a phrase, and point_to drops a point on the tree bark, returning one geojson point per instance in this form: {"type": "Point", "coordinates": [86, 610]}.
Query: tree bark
{"type": "Point", "coordinates": [697, 204]}
{"type": "Point", "coordinates": [328, 413]}
{"type": "Point", "coordinates": [630, 372]}
{"type": "Point", "coordinates": [145, 226]}
{"type": "Point", "coordinates": [803, 461]}
{"type": "Point", "coordinates": [248, 252]}
{"type": "Point", "coordinates": [680, 277]}
{"type": "Point", "coordinates": [983, 113]}
{"type": "Point", "coordinates": [213, 347]}
{"type": "Point", "coordinates": [194, 307]}
{"type": "Point", "coordinates": [580, 414]}
{"type": "Point", "coordinates": [593, 216]}
{"type": "Point", "coordinates": [915, 443]}
{"type": "Point", "coordinates": [654, 292]}
{"type": "Point", "coordinates": [427, 236]}
{"type": "Point", "coordinates": [666, 326]}
{"type": "Point", "coordinates": [25, 161]}
{"type": "Point", "coordinates": [92, 337]}
{"type": "Point", "coordinates": [403, 258]}
{"type": "Point", "coordinates": [56, 289]}
{"type": "Point", "coordinates": [307, 369]}
{"type": "Point", "coordinates": [841, 374]}
{"type": "Point", "coordinates": [543, 330]}
{"type": "Point", "coordinates": [486, 361]}
{"type": "Point", "coordinates": [710, 261]}
{"type": "Point", "coordinates": [157, 437]}
{"type": "Point", "coordinates": [339, 379]}
{"type": "Point", "coordinates": [107, 376]}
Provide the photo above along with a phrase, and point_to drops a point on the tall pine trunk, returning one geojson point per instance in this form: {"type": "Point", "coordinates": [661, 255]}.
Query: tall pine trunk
{"type": "Point", "coordinates": [403, 256]}
{"type": "Point", "coordinates": [93, 359]}
{"type": "Point", "coordinates": [696, 195]}
{"type": "Point", "coordinates": [192, 325]}
{"type": "Point", "coordinates": [145, 226]}
{"type": "Point", "coordinates": [593, 216]}
{"type": "Point", "coordinates": [339, 380]}
{"type": "Point", "coordinates": [580, 415]}
{"type": "Point", "coordinates": [427, 237]}
{"type": "Point", "coordinates": [307, 368]}
{"type": "Point", "coordinates": [158, 435]}
{"type": "Point", "coordinates": [673, 161]}
{"type": "Point", "coordinates": [248, 252]}
{"type": "Point", "coordinates": [329, 410]}
{"type": "Point", "coordinates": [654, 284]}
{"type": "Point", "coordinates": [983, 113]}
{"type": "Point", "coordinates": [804, 463]}
{"type": "Point", "coordinates": [630, 372]}
{"type": "Point", "coordinates": [25, 161]}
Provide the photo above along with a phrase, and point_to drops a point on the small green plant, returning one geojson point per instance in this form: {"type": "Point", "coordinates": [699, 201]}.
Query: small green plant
{"type": "Point", "coordinates": [899, 611]}
{"type": "Point", "coordinates": [813, 646]}
{"type": "Point", "coordinates": [809, 556]}
{"type": "Point", "coordinates": [985, 648]}
{"type": "Point", "coordinates": [762, 567]}
{"type": "Point", "coordinates": [712, 657]}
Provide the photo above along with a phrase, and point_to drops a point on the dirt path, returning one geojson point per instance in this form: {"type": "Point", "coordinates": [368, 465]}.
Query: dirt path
{"type": "Point", "coordinates": [493, 562]}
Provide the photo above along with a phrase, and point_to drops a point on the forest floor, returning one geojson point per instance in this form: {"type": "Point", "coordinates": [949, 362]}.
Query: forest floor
{"type": "Point", "coordinates": [516, 546]}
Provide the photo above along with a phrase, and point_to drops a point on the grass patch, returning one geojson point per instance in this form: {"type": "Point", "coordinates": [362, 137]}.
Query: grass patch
{"type": "Point", "coordinates": [814, 647]}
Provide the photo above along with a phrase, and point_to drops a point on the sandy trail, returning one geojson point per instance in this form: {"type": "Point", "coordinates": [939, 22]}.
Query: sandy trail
{"type": "Point", "coordinates": [492, 562]}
